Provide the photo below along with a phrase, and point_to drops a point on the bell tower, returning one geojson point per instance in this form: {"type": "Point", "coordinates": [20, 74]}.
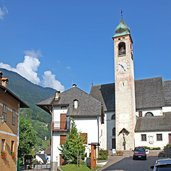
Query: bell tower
{"type": "Point", "coordinates": [124, 88]}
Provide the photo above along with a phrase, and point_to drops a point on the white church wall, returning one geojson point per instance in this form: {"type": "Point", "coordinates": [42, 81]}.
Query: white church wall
{"type": "Point", "coordinates": [151, 140]}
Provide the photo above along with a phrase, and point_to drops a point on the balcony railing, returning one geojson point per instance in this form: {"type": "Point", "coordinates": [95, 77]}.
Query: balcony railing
{"type": "Point", "coordinates": [60, 126]}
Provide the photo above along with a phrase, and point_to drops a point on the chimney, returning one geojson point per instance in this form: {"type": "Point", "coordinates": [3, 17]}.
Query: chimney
{"type": "Point", "coordinates": [4, 82]}
{"type": "Point", "coordinates": [74, 85]}
{"type": "Point", "coordinates": [57, 95]}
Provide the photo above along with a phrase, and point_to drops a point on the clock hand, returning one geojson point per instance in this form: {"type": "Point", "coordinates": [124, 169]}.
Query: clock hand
{"type": "Point", "coordinates": [122, 67]}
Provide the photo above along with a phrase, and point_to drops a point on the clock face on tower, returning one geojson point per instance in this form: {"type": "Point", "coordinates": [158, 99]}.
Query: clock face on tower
{"type": "Point", "coordinates": [122, 67]}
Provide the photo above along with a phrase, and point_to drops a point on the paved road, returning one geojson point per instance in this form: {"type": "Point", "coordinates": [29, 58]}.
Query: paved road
{"type": "Point", "coordinates": [117, 163]}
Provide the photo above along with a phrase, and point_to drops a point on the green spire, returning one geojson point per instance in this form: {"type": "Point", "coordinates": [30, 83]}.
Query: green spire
{"type": "Point", "coordinates": [121, 29]}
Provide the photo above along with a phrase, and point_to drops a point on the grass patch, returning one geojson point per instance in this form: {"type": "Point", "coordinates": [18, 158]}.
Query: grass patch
{"type": "Point", "coordinates": [74, 167]}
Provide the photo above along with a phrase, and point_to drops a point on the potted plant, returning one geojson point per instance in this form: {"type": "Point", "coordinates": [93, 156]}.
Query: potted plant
{"type": "Point", "coordinates": [3, 154]}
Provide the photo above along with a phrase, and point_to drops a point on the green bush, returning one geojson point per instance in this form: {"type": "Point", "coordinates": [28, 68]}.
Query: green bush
{"type": "Point", "coordinates": [103, 155]}
{"type": "Point", "coordinates": [155, 148]}
{"type": "Point", "coordinates": [167, 146]}
{"type": "Point", "coordinates": [152, 148]}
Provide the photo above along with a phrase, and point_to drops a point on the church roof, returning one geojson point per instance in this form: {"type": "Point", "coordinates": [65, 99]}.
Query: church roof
{"type": "Point", "coordinates": [121, 29]}
{"type": "Point", "coordinates": [88, 105]}
{"type": "Point", "coordinates": [167, 92]}
{"type": "Point", "coordinates": [105, 94]}
{"type": "Point", "coordinates": [157, 123]}
{"type": "Point", "coordinates": [149, 93]}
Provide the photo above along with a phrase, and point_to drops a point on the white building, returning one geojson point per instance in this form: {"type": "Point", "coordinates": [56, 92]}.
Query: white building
{"type": "Point", "coordinates": [86, 112]}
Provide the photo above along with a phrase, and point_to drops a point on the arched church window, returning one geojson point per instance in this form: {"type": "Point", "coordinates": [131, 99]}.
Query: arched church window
{"type": "Point", "coordinates": [121, 48]}
{"type": "Point", "coordinates": [149, 114]}
{"type": "Point", "coordinates": [113, 117]}
{"type": "Point", "coordinates": [113, 131]}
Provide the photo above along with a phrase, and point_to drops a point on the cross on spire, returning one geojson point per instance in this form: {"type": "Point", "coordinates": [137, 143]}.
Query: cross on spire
{"type": "Point", "coordinates": [121, 14]}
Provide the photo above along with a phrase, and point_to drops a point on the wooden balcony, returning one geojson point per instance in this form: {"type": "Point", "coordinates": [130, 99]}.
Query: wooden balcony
{"type": "Point", "coordinates": [60, 126]}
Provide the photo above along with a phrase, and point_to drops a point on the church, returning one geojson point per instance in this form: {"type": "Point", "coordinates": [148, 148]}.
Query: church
{"type": "Point", "coordinates": [137, 112]}
{"type": "Point", "coordinates": [120, 115]}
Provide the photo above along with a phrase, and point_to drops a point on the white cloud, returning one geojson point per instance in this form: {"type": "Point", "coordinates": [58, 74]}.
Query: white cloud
{"type": "Point", "coordinates": [50, 81]}
{"type": "Point", "coordinates": [6, 66]}
{"type": "Point", "coordinates": [3, 12]}
{"type": "Point", "coordinates": [29, 68]}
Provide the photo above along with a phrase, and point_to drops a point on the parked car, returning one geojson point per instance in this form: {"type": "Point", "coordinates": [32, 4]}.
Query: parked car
{"type": "Point", "coordinates": [162, 165]}
{"type": "Point", "coordinates": [139, 153]}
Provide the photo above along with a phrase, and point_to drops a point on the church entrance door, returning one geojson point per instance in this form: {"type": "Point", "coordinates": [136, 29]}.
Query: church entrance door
{"type": "Point", "coordinates": [113, 143]}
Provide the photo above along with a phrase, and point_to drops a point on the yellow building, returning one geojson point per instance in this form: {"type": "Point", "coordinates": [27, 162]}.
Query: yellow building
{"type": "Point", "coordinates": [9, 126]}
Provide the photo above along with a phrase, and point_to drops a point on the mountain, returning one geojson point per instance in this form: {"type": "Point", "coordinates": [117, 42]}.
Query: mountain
{"type": "Point", "coordinates": [28, 92]}
{"type": "Point", "coordinates": [31, 94]}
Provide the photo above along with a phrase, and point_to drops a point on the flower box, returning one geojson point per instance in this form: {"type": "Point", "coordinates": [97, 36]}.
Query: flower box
{"type": "Point", "coordinates": [3, 154]}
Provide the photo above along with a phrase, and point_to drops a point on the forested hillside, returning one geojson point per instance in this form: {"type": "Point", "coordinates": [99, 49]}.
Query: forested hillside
{"type": "Point", "coordinates": [31, 94]}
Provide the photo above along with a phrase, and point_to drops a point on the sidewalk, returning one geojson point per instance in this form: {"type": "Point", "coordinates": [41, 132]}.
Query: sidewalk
{"type": "Point", "coordinates": [112, 160]}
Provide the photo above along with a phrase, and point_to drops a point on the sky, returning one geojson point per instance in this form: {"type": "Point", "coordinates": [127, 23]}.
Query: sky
{"type": "Point", "coordinates": [57, 43]}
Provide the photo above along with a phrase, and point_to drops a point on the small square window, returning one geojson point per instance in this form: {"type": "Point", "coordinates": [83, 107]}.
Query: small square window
{"type": "Point", "coordinates": [159, 137]}
{"type": "Point", "coordinates": [143, 137]}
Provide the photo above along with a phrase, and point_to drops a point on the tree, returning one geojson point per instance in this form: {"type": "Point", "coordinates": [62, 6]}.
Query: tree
{"type": "Point", "coordinates": [27, 138]}
{"type": "Point", "coordinates": [73, 150]}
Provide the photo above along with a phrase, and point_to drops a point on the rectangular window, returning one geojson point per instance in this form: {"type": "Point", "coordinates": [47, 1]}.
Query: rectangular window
{"type": "Point", "coordinates": [12, 146]}
{"type": "Point", "coordinates": [62, 139]}
{"type": "Point", "coordinates": [143, 137]}
{"type": "Point", "coordinates": [4, 113]}
{"type": "Point", "coordinates": [159, 137]}
{"type": "Point", "coordinates": [13, 117]}
{"type": "Point", "coordinates": [3, 145]}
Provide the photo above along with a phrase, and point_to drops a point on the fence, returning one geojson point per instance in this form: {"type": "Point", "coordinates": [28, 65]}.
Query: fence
{"type": "Point", "coordinates": [38, 166]}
